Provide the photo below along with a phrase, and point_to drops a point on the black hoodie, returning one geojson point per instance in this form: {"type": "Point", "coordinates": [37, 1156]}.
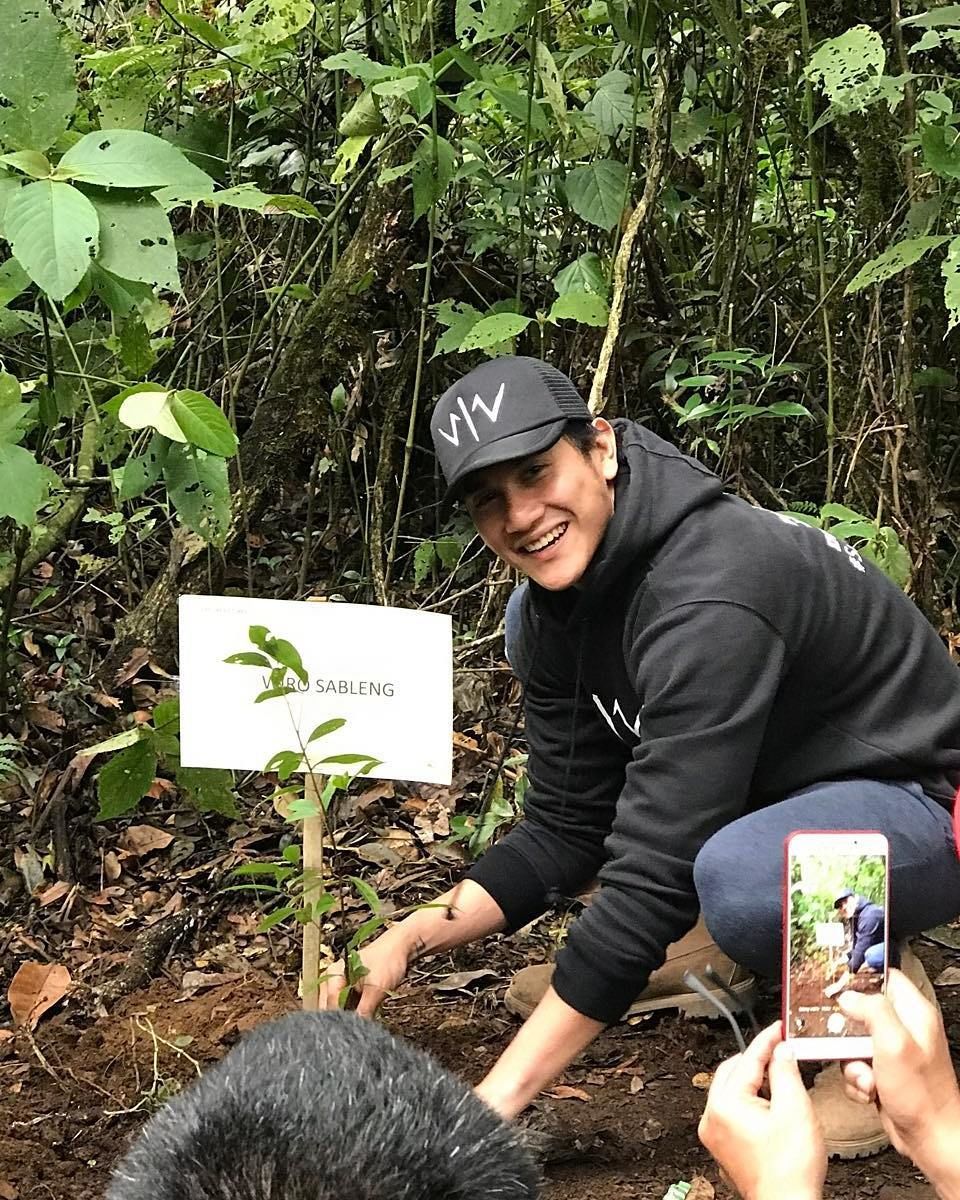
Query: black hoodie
{"type": "Point", "coordinates": [714, 658]}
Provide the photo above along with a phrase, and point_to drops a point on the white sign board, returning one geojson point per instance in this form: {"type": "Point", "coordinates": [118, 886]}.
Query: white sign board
{"type": "Point", "coordinates": [829, 933]}
{"type": "Point", "coordinates": [388, 672]}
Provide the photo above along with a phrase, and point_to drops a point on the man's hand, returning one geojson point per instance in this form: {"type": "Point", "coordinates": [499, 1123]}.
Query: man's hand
{"type": "Point", "coordinates": [911, 1078]}
{"type": "Point", "coordinates": [462, 915]}
{"type": "Point", "coordinates": [386, 961]}
{"type": "Point", "coordinates": [770, 1149]}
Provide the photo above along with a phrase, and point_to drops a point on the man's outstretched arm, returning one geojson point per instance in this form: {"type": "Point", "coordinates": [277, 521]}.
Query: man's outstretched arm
{"type": "Point", "coordinates": [551, 1038]}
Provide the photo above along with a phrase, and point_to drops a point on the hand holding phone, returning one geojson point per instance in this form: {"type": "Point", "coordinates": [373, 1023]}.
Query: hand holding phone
{"type": "Point", "coordinates": [911, 1076]}
{"type": "Point", "coordinates": [835, 938]}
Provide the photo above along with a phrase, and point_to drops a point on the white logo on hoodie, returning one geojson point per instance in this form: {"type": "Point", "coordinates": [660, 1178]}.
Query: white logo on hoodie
{"type": "Point", "coordinates": [626, 728]}
{"type": "Point", "coordinates": [492, 412]}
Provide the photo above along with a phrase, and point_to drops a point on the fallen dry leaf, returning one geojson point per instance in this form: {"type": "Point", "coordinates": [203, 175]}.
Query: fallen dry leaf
{"type": "Point", "coordinates": [651, 1130]}
{"type": "Point", "coordinates": [950, 977]}
{"type": "Point", "coordinates": [702, 1080]}
{"type": "Point", "coordinates": [384, 790]}
{"type": "Point", "coordinates": [104, 700]}
{"type": "Point", "coordinates": [54, 893]}
{"type": "Point", "coordinates": [43, 717]}
{"type": "Point", "coordinates": [139, 840]}
{"type": "Point", "coordinates": [700, 1189]}
{"type": "Point", "coordinates": [35, 988]}
{"type": "Point", "coordinates": [138, 659]}
{"type": "Point", "coordinates": [636, 1085]}
{"type": "Point", "coordinates": [6, 1035]}
{"type": "Point", "coordinates": [196, 981]}
{"type": "Point", "coordinates": [7, 1190]}
{"type": "Point", "coordinates": [111, 866]}
{"type": "Point", "coordinates": [461, 980]}
{"type": "Point", "coordinates": [563, 1092]}
{"type": "Point", "coordinates": [30, 865]}
{"type": "Point", "coordinates": [30, 645]}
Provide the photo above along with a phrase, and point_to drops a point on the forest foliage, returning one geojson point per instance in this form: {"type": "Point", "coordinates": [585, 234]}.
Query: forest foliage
{"type": "Point", "coordinates": [244, 246]}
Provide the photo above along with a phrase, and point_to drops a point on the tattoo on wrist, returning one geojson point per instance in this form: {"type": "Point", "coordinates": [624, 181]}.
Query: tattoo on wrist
{"type": "Point", "coordinates": [419, 949]}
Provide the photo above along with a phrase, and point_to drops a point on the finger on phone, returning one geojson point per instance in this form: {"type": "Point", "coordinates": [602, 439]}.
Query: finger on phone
{"type": "Point", "coordinates": [786, 1083]}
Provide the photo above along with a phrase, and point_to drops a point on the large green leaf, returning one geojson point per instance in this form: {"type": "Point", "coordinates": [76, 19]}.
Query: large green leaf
{"type": "Point", "coordinates": [274, 20]}
{"type": "Point", "coordinates": [941, 151]}
{"type": "Point", "coordinates": [13, 281]}
{"type": "Point", "coordinates": [23, 484]}
{"type": "Point", "coordinates": [951, 277]}
{"type": "Point", "coordinates": [486, 19]}
{"type": "Point", "coordinates": [124, 780]}
{"type": "Point", "coordinates": [495, 329]}
{"type": "Point", "coordinates": [459, 318]}
{"type": "Point", "coordinates": [143, 471]}
{"type": "Point", "coordinates": [847, 61]}
{"type": "Point", "coordinates": [53, 230]}
{"type": "Point", "coordinates": [358, 65]}
{"type": "Point", "coordinates": [586, 307]}
{"type": "Point", "coordinates": [209, 789]}
{"type": "Point", "coordinates": [431, 176]}
{"type": "Point", "coordinates": [584, 274]}
{"type": "Point", "coordinates": [203, 423]}
{"type": "Point", "coordinates": [136, 241]}
{"type": "Point", "coordinates": [946, 16]}
{"type": "Point", "coordinates": [130, 158]}
{"type": "Point", "coordinates": [9, 186]}
{"type": "Point", "coordinates": [611, 106]}
{"type": "Point", "coordinates": [892, 261]}
{"type": "Point", "coordinates": [597, 192]}
{"type": "Point", "coordinates": [37, 76]}
{"type": "Point", "coordinates": [198, 487]}
{"type": "Point", "coordinates": [147, 406]}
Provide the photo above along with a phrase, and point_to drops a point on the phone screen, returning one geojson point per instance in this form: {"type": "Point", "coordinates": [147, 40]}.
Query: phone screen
{"type": "Point", "coordinates": [836, 917]}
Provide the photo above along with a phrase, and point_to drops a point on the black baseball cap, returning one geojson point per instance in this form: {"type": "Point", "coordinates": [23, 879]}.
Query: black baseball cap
{"type": "Point", "coordinates": [504, 409]}
{"type": "Point", "coordinates": [844, 895]}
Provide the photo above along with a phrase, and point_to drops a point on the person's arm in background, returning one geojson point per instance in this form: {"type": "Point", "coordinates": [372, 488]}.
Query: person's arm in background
{"type": "Point", "coordinates": [911, 1078]}
{"type": "Point", "coordinates": [770, 1149]}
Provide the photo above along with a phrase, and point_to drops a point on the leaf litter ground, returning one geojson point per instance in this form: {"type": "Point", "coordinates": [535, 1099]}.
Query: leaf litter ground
{"type": "Point", "coordinates": [74, 1092]}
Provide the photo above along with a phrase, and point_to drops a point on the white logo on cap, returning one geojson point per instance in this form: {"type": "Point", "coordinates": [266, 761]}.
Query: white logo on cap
{"type": "Point", "coordinates": [492, 413]}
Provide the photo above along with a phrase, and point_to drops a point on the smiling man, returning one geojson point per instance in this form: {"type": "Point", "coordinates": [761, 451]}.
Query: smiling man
{"type": "Point", "coordinates": [702, 677]}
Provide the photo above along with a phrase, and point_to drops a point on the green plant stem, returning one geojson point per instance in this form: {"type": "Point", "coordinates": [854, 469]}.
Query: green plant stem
{"type": "Point", "coordinates": [525, 165]}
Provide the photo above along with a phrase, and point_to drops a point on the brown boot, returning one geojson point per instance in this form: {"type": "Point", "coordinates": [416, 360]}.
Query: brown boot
{"type": "Point", "coordinates": [852, 1129]}
{"type": "Point", "coordinates": [665, 989]}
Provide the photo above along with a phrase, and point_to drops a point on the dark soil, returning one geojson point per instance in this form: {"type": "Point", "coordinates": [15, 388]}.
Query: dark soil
{"type": "Point", "coordinates": [811, 1009]}
{"type": "Point", "coordinates": [73, 1094]}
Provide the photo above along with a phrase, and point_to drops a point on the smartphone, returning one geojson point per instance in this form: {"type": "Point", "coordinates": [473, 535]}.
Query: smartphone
{"type": "Point", "coordinates": [836, 921]}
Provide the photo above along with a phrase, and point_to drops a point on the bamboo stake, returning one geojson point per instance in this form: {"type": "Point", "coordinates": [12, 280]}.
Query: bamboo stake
{"type": "Point", "coordinates": [313, 830]}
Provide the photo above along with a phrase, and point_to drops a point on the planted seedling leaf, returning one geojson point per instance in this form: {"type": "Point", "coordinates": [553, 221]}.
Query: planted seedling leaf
{"type": "Point", "coordinates": [125, 779]}
{"type": "Point", "coordinates": [327, 727]}
{"type": "Point", "coordinates": [53, 231]}
{"type": "Point", "coordinates": [249, 658]}
{"type": "Point", "coordinates": [130, 158]}
{"type": "Point", "coordinates": [35, 988]}
{"type": "Point", "coordinates": [597, 192]}
{"type": "Point", "coordinates": [203, 423]}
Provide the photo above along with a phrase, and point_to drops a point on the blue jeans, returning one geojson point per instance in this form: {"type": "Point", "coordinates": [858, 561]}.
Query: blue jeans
{"type": "Point", "coordinates": [738, 873]}
{"type": "Point", "coordinates": [874, 957]}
